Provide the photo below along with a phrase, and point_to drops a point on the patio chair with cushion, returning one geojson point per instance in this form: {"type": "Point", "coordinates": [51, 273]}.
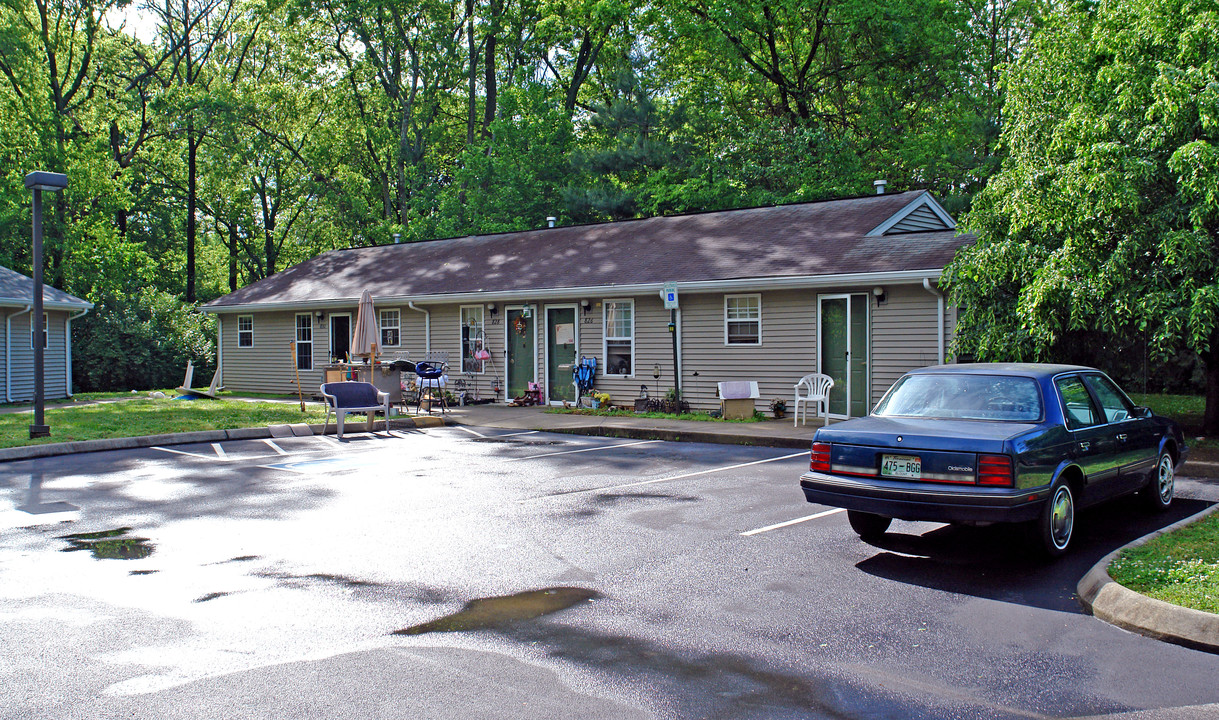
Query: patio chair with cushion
{"type": "Point", "coordinates": [816, 389]}
{"type": "Point", "coordinates": [353, 397]}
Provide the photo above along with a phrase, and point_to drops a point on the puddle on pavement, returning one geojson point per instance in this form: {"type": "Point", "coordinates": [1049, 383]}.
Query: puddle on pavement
{"type": "Point", "coordinates": [109, 544]}
{"type": "Point", "coordinates": [496, 612]}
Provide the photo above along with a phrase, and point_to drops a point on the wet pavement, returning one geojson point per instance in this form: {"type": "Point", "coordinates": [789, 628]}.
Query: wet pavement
{"type": "Point", "coordinates": [497, 572]}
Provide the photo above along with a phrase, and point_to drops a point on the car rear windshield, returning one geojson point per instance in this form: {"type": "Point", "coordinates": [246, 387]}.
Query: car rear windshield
{"type": "Point", "coordinates": [969, 397]}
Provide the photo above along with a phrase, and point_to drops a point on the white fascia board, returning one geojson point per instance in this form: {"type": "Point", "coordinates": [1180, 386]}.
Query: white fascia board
{"type": "Point", "coordinates": [924, 200]}
{"type": "Point", "coordinates": [799, 282]}
{"type": "Point", "coordinates": [46, 304]}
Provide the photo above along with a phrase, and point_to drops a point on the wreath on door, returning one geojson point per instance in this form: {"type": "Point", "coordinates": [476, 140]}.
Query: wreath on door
{"type": "Point", "coordinates": [519, 325]}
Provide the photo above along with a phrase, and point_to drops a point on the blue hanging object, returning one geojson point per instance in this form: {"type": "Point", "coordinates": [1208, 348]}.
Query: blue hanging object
{"type": "Point", "coordinates": [583, 375]}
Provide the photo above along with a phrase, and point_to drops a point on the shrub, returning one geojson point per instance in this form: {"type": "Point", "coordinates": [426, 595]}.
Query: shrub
{"type": "Point", "coordinates": [140, 343]}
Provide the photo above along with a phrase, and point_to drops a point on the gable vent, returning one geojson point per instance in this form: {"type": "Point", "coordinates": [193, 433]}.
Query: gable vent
{"type": "Point", "coordinates": [921, 219]}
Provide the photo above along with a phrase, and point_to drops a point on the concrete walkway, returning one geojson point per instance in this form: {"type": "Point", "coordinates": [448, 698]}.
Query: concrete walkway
{"type": "Point", "coordinates": [768, 433]}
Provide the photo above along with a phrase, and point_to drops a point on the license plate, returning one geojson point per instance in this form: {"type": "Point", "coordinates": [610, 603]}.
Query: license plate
{"type": "Point", "coordinates": [902, 466]}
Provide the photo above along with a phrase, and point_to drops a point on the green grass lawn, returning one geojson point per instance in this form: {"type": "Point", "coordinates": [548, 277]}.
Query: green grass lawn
{"type": "Point", "coordinates": [1181, 567]}
{"type": "Point", "coordinates": [1186, 410]}
{"type": "Point", "coordinates": [132, 416]}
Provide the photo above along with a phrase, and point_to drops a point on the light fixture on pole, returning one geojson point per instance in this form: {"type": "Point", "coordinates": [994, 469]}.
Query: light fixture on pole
{"type": "Point", "coordinates": [39, 181]}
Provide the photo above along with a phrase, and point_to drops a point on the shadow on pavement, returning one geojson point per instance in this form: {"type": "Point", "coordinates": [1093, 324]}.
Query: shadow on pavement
{"type": "Point", "coordinates": [998, 562]}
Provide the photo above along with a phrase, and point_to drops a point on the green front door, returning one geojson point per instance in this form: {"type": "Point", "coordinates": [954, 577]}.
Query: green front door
{"type": "Point", "coordinates": [521, 358]}
{"type": "Point", "coordinates": [843, 352]}
{"type": "Point", "coordinates": [560, 353]}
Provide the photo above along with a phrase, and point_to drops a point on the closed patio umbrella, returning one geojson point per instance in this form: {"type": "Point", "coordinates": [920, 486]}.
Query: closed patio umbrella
{"type": "Point", "coordinates": [366, 339]}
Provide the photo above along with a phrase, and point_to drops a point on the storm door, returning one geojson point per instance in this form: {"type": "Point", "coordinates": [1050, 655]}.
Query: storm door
{"type": "Point", "coordinates": [521, 351]}
{"type": "Point", "coordinates": [340, 336]}
{"type": "Point", "coordinates": [842, 351]}
{"type": "Point", "coordinates": [560, 353]}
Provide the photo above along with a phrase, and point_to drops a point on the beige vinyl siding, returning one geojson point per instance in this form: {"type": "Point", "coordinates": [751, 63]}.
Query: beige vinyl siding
{"type": "Point", "coordinates": [904, 335]}
{"type": "Point", "coordinates": [54, 358]}
{"type": "Point", "coordinates": [787, 352]}
{"type": "Point", "coordinates": [903, 338]}
{"type": "Point", "coordinates": [268, 366]}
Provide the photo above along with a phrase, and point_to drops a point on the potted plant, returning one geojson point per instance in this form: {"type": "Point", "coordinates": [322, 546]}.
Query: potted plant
{"type": "Point", "coordinates": [779, 407]}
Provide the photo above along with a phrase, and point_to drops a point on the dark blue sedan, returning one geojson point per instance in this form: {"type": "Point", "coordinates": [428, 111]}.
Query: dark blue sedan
{"type": "Point", "coordinates": [989, 443]}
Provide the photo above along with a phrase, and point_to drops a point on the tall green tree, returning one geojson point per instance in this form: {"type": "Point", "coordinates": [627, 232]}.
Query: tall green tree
{"type": "Point", "coordinates": [1105, 215]}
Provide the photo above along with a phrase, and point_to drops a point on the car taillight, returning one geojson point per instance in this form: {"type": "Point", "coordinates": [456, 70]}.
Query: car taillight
{"type": "Point", "coordinates": [821, 457]}
{"type": "Point", "coordinates": [995, 471]}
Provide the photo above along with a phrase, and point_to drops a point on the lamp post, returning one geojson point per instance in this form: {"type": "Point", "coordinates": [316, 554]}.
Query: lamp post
{"type": "Point", "coordinates": [39, 181]}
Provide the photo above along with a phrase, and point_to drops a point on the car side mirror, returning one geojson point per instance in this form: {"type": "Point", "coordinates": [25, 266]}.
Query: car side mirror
{"type": "Point", "coordinates": [1143, 412]}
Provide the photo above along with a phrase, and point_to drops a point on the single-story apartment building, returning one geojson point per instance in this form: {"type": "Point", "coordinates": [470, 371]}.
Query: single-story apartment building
{"type": "Point", "coordinates": [59, 310]}
{"type": "Point", "coordinates": [846, 287]}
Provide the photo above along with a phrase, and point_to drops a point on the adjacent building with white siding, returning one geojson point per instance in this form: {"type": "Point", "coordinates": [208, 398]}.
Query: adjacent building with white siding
{"type": "Point", "coordinates": [847, 287]}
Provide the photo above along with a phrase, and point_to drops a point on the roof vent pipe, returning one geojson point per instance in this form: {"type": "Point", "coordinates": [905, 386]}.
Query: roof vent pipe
{"type": "Point", "coordinates": [880, 186]}
{"type": "Point", "coordinates": [550, 221]}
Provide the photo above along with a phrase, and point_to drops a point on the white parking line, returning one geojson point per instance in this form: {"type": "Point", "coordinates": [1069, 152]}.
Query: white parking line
{"type": "Point", "coordinates": [183, 452]}
{"type": "Point", "coordinates": [776, 526]}
{"type": "Point", "coordinates": [527, 432]}
{"type": "Point", "coordinates": [220, 453]}
{"type": "Point", "coordinates": [466, 429]}
{"type": "Point", "coordinates": [584, 450]}
{"type": "Point", "coordinates": [667, 479]}
{"type": "Point", "coordinates": [275, 447]}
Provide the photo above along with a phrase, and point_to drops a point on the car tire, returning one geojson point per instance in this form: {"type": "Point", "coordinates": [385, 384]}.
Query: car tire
{"type": "Point", "coordinates": [1158, 494]}
{"type": "Point", "coordinates": [1055, 527]}
{"type": "Point", "coordinates": [867, 525]}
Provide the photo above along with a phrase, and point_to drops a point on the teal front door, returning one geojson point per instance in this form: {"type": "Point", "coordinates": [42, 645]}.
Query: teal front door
{"type": "Point", "coordinates": [843, 351]}
{"type": "Point", "coordinates": [560, 353]}
{"type": "Point", "coordinates": [521, 355]}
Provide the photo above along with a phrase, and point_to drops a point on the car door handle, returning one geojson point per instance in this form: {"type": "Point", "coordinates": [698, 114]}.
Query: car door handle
{"type": "Point", "coordinates": [1122, 437]}
{"type": "Point", "coordinates": [1084, 445]}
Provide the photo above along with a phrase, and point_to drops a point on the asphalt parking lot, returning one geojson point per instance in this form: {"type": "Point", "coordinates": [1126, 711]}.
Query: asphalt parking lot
{"type": "Point", "coordinates": [470, 572]}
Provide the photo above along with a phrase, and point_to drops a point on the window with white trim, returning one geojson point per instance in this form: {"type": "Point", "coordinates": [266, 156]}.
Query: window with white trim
{"type": "Point", "coordinates": [391, 328]}
{"type": "Point", "coordinates": [743, 319]}
{"type": "Point", "coordinates": [245, 331]}
{"type": "Point", "coordinates": [46, 324]}
{"type": "Point", "coordinates": [619, 337]}
{"type": "Point", "coordinates": [304, 341]}
{"type": "Point", "coordinates": [473, 338]}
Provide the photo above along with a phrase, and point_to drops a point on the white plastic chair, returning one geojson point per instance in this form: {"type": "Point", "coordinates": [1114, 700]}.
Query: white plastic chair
{"type": "Point", "coordinates": [817, 390]}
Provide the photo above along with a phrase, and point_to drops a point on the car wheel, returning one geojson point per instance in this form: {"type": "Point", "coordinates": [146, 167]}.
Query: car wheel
{"type": "Point", "coordinates": [1157, 496]}
{"type": "Point", "coordinates": [867, 525]}
{"type": "Point", "coordinates": [1056, 525]}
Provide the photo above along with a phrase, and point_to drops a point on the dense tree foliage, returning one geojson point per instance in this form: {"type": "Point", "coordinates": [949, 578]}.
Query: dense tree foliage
{"type": "Point", "coordinates": [1105, 215]}
{"type": "Point", "coordinates": [228, 139]}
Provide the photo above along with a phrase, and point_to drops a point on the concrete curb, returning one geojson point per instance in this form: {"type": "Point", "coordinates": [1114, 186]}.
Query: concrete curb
{"type": "Point", "coordinates": [1200, 468]}
{"type": "Point", "coordinates": [1118, 605]}
{"type": "Point", "coordinates": [30, 452]}
{"type": "Point", "coordinates": [646, 433]}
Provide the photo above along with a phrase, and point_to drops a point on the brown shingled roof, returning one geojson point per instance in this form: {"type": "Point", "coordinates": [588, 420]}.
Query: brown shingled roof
{"type": "Point", "coordinates": [806, 239]}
